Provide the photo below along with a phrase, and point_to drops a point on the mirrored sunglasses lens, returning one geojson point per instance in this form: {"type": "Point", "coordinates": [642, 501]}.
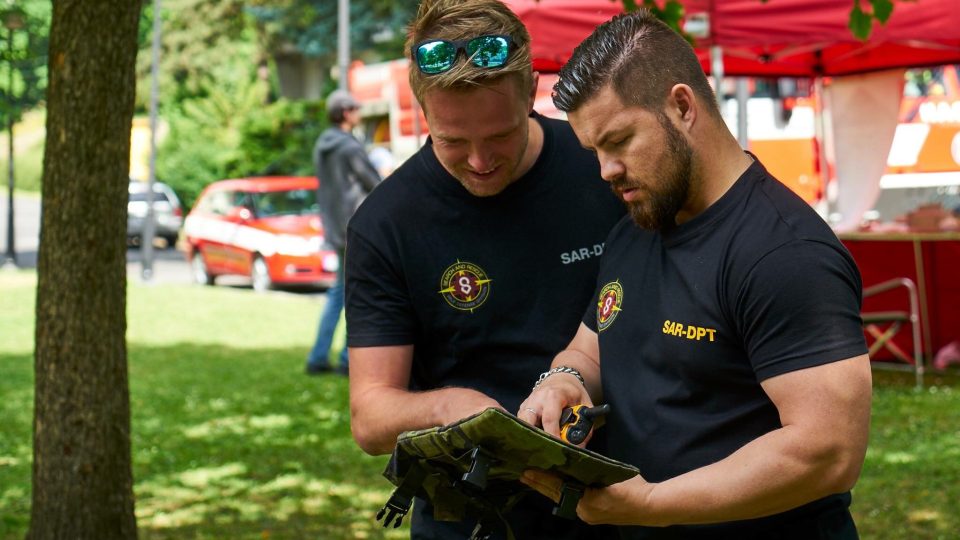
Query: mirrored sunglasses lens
{"type": "Point", "coordinates": [436, 56]}
{"type": "Point", "coordinates": [488, 51]}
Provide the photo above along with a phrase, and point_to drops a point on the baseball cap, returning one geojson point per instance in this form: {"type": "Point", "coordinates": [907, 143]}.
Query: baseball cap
{"type": "Point", "coordinates": [340, 100]}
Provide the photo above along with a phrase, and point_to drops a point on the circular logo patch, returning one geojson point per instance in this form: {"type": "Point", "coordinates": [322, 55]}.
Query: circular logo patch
{"type": "Point", "coordinates": [465, 286]}
{"type": "Point", "coordinates": [608, 306]}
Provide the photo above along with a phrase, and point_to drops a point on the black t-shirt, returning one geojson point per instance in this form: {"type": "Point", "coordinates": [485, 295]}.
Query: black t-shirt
{"type": "Point", "coordinates": [487, 290]}
{"type": "Point", "coordinates": [692, 318]}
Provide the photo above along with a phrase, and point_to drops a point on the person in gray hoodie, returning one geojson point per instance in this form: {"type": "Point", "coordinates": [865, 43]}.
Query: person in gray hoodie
{"type": "Point", "coordinates": [346, 176]}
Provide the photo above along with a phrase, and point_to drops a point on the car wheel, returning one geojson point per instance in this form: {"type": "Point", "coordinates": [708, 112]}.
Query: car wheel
{"type": "Point", "coordinates": [260, 275]}
{"type": "Point", "coordinates": [201, 275]}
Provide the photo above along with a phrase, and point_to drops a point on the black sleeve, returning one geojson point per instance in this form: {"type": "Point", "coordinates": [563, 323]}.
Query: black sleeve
{"type": "Point", "coordinates": [799, 307]}
{"type": "Point", "coordinates": [378, 307]}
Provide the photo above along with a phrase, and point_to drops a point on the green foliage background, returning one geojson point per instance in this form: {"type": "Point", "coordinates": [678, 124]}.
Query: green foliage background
{"type": "Point", "coordinates": [271, 140]}
{"type": "Point", "coordinates": [219, 90]}
{"type": "Point", "coordinates": [24, 53]}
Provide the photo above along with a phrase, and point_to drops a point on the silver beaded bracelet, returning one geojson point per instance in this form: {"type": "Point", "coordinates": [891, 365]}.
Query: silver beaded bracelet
{"type": "Point", "coordinates": [559, 369]}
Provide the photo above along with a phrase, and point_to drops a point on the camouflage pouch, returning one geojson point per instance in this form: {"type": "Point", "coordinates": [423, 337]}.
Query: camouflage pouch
{"type": "Point", "coordinates": [471, 469]}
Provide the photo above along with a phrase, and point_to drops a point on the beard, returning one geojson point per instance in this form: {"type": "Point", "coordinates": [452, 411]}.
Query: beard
{"type": "Point", "coordinates": [664, 200]}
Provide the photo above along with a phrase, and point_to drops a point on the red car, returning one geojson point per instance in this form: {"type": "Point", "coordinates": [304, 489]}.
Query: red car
{"type": "Point", "coordinates": [265, 228]}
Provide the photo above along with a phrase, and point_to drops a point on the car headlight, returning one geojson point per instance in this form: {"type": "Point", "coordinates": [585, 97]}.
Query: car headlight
{"type": "Point", "coordinates": [331, 262]}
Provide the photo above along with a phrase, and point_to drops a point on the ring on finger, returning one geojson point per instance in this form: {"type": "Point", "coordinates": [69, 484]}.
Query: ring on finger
{"type": "Point", "coordinates": [531, 410]}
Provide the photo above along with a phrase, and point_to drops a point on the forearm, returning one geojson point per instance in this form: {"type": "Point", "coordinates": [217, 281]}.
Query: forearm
{"type": "Point", "coordinates": [772, 474]}
{"type": "Point", "coordinates": [589, 369]}
{"type": "Point", "coordinates": [379, 415]}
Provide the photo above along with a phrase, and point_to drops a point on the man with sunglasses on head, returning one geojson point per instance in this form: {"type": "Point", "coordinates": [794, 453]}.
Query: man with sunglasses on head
{"type": "Point", "coordinates": [725, 330]}
{"type": "Point", "coordinates": [468, 267]}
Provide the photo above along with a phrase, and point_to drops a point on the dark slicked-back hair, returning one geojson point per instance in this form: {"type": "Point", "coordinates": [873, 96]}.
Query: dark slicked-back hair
{"type": "Point", "coordinates": [467, 19]}
{"type": "Point", "coordinates": [641, 57]}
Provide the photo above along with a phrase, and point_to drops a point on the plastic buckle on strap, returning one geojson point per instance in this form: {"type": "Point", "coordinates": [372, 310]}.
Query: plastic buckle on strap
{"type": "Point", "coordinates": [476, 478]}
{"type": "Point", "coordinates": [570, 495]}
{"type": "Point", "coordinates": [481, 532]}
{"type": "Point", "coordinates": [399, 503]}
{"type": "Point", "coordinates": [394, 509]}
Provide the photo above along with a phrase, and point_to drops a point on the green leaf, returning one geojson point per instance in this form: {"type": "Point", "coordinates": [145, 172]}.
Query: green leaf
{"type": "Point", "coordinates": [671, 13]}
{"type": "Point", "coordinates": [882, 9]}
{"type": "Point", "coordinates": [860, 23]}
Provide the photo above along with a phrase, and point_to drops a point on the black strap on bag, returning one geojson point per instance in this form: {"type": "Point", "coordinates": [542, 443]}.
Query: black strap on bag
{"type": "Point", "coordinates": [570, 495]}
{"type": "Point", "coordinates": [412, 473]}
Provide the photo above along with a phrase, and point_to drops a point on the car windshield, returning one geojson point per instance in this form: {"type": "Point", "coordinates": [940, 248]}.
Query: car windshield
{"type": "Point", "coordinates": [297, 202]}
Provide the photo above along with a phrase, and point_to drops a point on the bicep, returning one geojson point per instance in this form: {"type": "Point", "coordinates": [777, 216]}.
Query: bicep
{"type": "Point", "coordinates": [829, 401]}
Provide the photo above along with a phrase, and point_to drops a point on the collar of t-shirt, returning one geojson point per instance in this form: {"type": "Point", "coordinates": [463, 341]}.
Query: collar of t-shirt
{"type": "Point", "coordinates": [673, 235]}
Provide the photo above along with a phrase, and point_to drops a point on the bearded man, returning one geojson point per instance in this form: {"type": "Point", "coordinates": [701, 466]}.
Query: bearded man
{"type": "Point", "coordinates": [725, 329]}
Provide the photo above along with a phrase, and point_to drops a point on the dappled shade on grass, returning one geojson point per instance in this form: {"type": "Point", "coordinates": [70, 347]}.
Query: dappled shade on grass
{"type": "Point", "coordinates": [260, 448]}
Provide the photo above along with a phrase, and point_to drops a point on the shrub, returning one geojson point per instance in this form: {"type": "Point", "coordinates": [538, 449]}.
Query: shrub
{"type": "Point", "coordinates": [230, 135]}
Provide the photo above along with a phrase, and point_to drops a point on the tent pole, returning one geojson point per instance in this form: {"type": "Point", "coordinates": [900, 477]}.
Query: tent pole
{"type": "Point", "coordinates": [743, 93]}
{"type": "Point", "coordinates": [716, 68]}
{"type": "Point", "coordinates": [828, 201]}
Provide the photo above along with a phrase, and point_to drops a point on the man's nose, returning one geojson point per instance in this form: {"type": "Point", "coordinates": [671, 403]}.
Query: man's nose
{"type": "Point", "coordinates": [611, 169]}
{"type": "Point", "coordinates": [480, 158]}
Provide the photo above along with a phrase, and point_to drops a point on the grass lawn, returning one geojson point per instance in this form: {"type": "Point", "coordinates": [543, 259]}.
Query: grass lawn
{"type": "Point", "coordinates": [231, 440]}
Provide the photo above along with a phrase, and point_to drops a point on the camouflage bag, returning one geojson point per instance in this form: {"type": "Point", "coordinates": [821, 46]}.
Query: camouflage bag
{"type": "Point", "coordinates": [471, 469]}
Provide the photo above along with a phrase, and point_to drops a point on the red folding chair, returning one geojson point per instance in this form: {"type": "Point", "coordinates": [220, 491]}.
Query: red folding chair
{"type": "Point", "coordinates": [882, 326]}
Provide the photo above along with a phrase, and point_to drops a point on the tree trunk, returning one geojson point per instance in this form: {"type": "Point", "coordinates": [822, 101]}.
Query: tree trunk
{"type": "Point", "coordinates": [82, 479]}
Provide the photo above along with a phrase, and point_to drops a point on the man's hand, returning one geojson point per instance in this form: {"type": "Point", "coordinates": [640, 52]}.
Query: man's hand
{"type": "Point", "coordinates": [619, 504]}
{"type": "Point", "coordinates": [460, 403]}
{"type": "Point", "coordinates": [543, 407]}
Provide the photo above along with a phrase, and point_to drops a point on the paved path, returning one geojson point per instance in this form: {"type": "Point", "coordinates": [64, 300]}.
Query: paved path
{"type": "Point", "coordinates": [26, 226]}
{"type": "Point", "coordinates": [169, 264]}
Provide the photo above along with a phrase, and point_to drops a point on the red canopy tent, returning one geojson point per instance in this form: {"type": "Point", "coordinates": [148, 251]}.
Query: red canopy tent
{"type": "Point", "coordinates": [790, 38]}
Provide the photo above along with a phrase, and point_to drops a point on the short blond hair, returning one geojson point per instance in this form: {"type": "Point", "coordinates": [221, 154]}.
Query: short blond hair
{"type": "Point", "coordinates": [466, 19]}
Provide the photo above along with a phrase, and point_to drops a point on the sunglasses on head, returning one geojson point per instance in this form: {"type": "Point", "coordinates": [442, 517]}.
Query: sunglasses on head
{"type": "Point", "coordinates": [435, 56]}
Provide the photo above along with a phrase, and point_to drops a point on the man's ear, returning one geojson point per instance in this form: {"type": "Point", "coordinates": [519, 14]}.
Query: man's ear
{"type": "Point", "coordinates": [684, 105]}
